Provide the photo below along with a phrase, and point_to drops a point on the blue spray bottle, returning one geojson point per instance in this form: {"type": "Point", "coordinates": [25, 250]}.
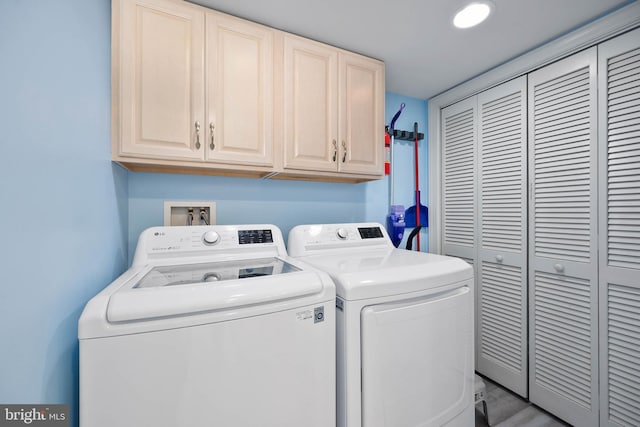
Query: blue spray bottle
{"type": "Point", "coordinates": [395, 224]}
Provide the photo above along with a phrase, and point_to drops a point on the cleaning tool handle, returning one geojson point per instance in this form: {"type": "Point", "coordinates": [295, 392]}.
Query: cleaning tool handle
{"type": "Point", "coordinates": [393, 120]}
{"type": "Point", "coordinates": [415, 148]}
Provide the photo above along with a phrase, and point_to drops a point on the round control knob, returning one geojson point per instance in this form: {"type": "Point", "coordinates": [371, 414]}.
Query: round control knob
{"type": "Point", "coordinates": [342, 233]}
{"type": "Point", "coordinates": [211, 237]}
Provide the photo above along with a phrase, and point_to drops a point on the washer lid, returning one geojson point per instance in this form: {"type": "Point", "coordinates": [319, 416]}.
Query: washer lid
{"type": "Point", "coordinates": [382, 272]}
{"type": "Point", "coordinates": [163, 291]}
{"type": "Point", "coordinates": [189, 274]}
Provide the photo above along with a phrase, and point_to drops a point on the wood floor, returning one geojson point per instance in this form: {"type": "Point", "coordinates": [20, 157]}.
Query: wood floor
{"type": "Point", "coordinates": [510, 410]}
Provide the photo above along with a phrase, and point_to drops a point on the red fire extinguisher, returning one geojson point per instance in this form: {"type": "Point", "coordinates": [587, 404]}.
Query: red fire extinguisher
{"type": "Point", "coordinates": [387, 151]}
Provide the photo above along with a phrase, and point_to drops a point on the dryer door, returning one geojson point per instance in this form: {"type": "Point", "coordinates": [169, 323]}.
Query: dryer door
{"type": "Point", "coordinates": [417, 367]}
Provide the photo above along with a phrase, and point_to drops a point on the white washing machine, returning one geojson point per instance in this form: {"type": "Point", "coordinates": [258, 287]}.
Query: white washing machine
{"type": "Point", "coordinates": [211, 326]}
{"type": "Point", "coordinates": [404, 328]}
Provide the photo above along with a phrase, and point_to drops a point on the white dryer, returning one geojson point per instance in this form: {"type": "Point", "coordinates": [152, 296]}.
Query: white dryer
{"type": "Point", "coordinates": [404, 328]}
{"type": "Point", "coordinates": [212, 325]}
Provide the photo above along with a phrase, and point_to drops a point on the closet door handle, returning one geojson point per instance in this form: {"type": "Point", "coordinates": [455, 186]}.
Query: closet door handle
{"type": "Point", "coordinates": [559, 268]}
{"type": "Point", "coordinates": [344, 152]}
{"type": "Point", "coordinates": [499, 258]}
{"type": "Point", "coordinates": [335, 150]}
{"type": "Point", "coordinates": [197, 135]}
{"type": "Point", "coordinates": [211, 128]}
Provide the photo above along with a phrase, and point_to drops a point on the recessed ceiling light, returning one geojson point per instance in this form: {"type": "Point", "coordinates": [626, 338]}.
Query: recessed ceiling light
{"type": "Point", "coordinates": [472, 14]}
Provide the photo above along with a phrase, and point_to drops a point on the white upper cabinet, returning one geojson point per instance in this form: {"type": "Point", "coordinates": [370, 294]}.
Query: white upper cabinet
{"type": "Point", "coordinates": [239, 125]}
{"type": "Point", "coordinates": [198, 91]}
{"type": "Point", "coordinates": [158, 79]}
{"type": "Point", "coordinates": [165, 111]}
{"type": "Point", "coordinates": [361, 110]}
{"type": "Point", "coordinates": [333, 109]}
{"type": "Point", "coordinates": [310, 105]}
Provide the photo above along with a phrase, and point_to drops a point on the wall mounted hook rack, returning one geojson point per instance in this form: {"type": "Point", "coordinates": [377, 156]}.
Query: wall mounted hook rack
{"type": "Point", "coordinates": [406, 135]}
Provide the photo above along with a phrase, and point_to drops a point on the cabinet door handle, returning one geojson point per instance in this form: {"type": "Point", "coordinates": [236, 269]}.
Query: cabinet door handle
{"type": "Point", "coordinates": [211, 128]}
{"type": "Point", "coordinates": [344, 152]}
{"type": "Point", "coordinates": [559, 267]}
{"type": "Point", "coordinates": [499, 258]}
{"type": "Point", "coordinates": [197, 135]}
{"type": "Point", "coordinates": [335, 150]}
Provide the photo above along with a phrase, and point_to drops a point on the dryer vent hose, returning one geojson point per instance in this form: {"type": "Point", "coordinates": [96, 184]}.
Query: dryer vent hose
{"type": "Point", "coordinates": [412, 235]}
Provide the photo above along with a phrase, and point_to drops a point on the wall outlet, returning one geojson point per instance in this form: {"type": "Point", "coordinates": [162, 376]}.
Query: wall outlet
{"type": "Point", "coordinates": [178, 212]}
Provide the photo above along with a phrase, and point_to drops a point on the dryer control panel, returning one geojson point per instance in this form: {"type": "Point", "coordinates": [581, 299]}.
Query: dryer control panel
{"type": "Point", "coordinates": [307, 239]}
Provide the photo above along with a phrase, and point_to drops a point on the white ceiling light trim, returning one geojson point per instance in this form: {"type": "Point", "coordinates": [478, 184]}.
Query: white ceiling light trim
{"type": "Point", "coordinates": [473, 14]}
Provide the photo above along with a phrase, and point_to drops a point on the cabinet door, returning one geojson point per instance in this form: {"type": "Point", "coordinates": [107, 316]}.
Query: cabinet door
{"type": "Point", "coordinates": [619, 132]}
{"type": "Point", "coordinates": [239, 91]}
{"type": "Point", "coordinates": [310, 105]}
{"type": "Point", "coordinates": [361, 114]}
{"type": "Point", "coordinates": [501, 315]}
{"type": "Point", "coordinates": [563, 268]}
{"type": "Point", "coordinates": [158, 83]}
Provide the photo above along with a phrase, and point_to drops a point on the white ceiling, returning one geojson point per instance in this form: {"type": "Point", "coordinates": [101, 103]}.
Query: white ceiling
{"type": "Point", "coordinates": [424, 54]}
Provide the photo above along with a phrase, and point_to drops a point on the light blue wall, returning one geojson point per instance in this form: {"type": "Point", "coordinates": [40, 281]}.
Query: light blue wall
{"type": "Point", "coordinates": [63, 215]}
{"type": "Point", "coordinates": [69, 215]}
{"type": "Point", "coordinates": [284, 203]}
{"type": "Point", "coordinates": [244, 200]}
{"type": "Point", "coordinates": [378, 192]}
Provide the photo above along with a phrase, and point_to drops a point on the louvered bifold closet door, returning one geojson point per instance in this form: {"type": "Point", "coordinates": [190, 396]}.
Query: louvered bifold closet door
{"type": "Point", "coordinates": [563, 269]}
{"type": "Point", "coordinates": [619, 216]}
{"type": "Point", "coordinates": [459, 178]}
{"type": "Point", "coordinates": [501, 315]}
{"type": "Point", "coordinates": [459, 139]}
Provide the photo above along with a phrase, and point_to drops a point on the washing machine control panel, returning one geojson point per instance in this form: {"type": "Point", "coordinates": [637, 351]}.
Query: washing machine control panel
{"type": "Point", "coordinates": [370, 232]}
{"type": "Point", "coordinates": [247, 237]}
{"type": "Point", "coordinates": [363, 232]}
{"type": "Point", "coordinates": [218, 239]}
